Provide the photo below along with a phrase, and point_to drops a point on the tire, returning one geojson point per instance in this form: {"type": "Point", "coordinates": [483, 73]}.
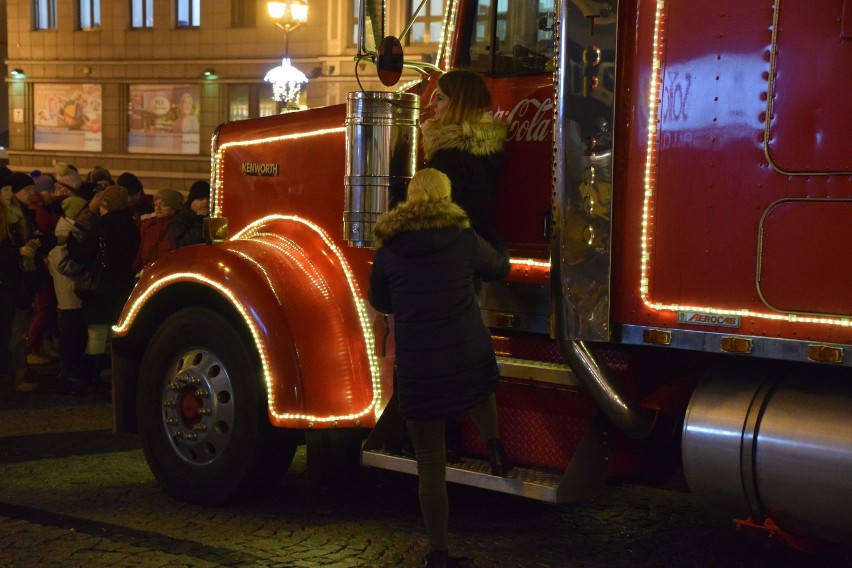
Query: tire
{"type": "Point", "coordinates": [202, 413]}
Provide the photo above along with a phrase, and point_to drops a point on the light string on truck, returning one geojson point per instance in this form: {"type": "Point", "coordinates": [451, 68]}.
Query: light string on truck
{"type": "Point", "coordinates": [648, 207]}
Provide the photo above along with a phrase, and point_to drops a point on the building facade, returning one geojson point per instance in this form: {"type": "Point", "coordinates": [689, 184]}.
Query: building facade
{"type": "Point", "coordinates": [141, 85]}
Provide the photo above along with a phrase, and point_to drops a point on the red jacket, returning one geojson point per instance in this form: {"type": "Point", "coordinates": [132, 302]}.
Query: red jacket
{"type": "Point", "coordinates": [156, 242]}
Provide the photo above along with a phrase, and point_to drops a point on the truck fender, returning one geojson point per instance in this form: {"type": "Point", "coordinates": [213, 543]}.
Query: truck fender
{"type": "Point", "coordinates": [297, 297]}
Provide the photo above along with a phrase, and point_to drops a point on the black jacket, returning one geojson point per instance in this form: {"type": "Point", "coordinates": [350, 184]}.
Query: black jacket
{"type": "Point", "coordinates": [186, 228]}
{"type": "Point", "coordinates": [121, 240]}
{"type": "Point", "coordinates": [16, 289]}
{"type": "Point", "coordinates": [470, 155]}
{"type": "Point", "coordinates": [424, 274]}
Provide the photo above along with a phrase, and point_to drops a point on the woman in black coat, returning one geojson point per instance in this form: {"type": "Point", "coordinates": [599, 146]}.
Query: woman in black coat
{"type": "Point", "coordinates": [108, 250]}
{"type": "Point", "coordinates": [424, 274]}
{"type": "Point", "coordinates": [187, 227]}
{"type": "Point", "coordinates": [465, 142]}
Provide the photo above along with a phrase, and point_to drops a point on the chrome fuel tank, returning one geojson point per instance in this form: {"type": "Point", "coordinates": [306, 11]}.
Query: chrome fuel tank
{"type": "Point", "coordinates": [778, 448]}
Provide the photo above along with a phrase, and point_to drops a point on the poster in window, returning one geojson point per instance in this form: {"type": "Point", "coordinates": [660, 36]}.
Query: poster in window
{"type": "Point", "coordinates": [164, 119]}
{"type": "Point", "coordinates": [67, 117]}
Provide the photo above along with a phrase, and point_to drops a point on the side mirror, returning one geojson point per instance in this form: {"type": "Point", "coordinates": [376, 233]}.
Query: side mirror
{"type": "Point", "coordinates": [389, 61]}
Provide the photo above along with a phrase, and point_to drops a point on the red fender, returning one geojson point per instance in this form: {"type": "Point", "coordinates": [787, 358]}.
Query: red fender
{"type": "Point", "coordinates": [297, 295]}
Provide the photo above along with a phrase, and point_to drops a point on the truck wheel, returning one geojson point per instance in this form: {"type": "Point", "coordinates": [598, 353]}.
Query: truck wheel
{"type": "Point", "coordinates": [202, 413]}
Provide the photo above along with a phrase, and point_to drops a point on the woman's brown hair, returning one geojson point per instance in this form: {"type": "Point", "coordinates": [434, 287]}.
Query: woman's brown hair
{"type": "Point", "coordinates": [469, 97]}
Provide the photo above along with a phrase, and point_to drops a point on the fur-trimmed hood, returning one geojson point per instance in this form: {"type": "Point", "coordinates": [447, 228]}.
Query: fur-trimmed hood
{"type": "Point", "coordinates": [424, 223]}
{"type": "Point", "coordinates": [480, 139]}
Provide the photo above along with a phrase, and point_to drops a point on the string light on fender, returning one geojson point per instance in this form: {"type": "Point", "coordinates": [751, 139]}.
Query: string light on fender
{"type": "Point", "coordinates": [253, 231]}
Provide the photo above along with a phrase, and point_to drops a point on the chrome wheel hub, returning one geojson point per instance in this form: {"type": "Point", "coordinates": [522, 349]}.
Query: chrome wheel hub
{"type": "Point", "coordinates": [198, 407]}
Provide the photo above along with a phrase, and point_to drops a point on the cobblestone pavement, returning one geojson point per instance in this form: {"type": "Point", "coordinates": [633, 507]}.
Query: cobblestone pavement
{"type": "Point", "coordinates": [74, 494]}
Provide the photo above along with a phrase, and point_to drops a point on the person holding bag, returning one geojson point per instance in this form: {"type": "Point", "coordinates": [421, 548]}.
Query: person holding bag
{"type": "Point", "coordinates": [107, 250]}
{"type": "Point", "coordinates": [72, 327]}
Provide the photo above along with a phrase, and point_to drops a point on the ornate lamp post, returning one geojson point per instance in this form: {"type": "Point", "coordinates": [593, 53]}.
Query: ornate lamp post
{"type": "Point", "coordinates": [286, 80]}
{"type": "Point", "coordinates": [288, 15]}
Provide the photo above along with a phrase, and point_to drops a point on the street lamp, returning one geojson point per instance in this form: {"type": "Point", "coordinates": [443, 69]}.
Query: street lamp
{"type": "Point", "coordinates": [286, 80]}
{"type": "Point", "coordinates": [288, 14]}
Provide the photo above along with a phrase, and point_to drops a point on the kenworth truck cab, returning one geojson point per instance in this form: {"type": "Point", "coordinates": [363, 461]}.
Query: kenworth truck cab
{"type": "Point", "coordinates": [676, 199]}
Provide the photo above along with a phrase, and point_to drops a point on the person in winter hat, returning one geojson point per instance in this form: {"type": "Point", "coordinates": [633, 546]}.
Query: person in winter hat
{"type": "Point", "coordinates": [17, 251]}
{"type": "Point", "coordinates": [187, 228]}
{"type": "Point", "coordinates": [67, 179]}
{"type": "Point", "coordinates": [42, 183]}
{"type": "Point", "coordinates": [45, 202]}
{"type": "Point", "coordinates": [71, 206]}
{"type": "Point", "coordinates": [107, 249]}
{"type": "Point", "coordinates": [423, 273]}
{"type": "Point", "coordinates": [156, 242]}
{"type": "Point", "coordinates": [114, 198]}
{"type": "Point", "coordinates": [42, 223]}
{"type": "Point", "coordinates": [169, 197]}
{"type": "Point", "coordinates": [72, 327]}
{"type": "Point", "coordinates": [100, 176]}
{"type": "Point", "coordinates": [141, 204]}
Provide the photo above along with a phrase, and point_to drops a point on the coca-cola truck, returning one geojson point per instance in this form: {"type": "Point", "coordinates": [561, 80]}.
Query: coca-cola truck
{"type": "Point", "coordinates": [675, 195]}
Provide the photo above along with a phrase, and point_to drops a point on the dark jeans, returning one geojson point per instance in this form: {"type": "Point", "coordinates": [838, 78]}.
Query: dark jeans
{"type": "Point", "coordinates": [428, 438]}
{"type": "Point", "coordinates": [72, 339]}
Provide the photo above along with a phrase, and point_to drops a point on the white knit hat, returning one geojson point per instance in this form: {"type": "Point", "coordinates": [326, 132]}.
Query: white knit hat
{"type": "Point", "coordinates": [68, 176]}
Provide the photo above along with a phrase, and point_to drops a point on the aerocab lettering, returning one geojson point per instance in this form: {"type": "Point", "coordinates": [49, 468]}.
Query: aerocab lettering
{"type": "Point", "coordinates": [716, 320]}
{"type": "Point", "coordinates": [258, 169]}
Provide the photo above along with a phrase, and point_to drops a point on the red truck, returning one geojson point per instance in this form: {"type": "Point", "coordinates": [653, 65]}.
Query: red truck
{"type": "Point", "coordinates": [676, 200]}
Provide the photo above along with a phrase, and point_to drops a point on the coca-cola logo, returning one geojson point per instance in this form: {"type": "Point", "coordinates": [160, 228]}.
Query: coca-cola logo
{"type": "Point", "coordinates": [529, 120]}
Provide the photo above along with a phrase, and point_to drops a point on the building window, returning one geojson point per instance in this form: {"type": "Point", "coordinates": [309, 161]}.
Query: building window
{"type": "Point", "coordinates": [44, 14]}
{"type": "Point", "coordinates": [427, 26]}
{"type": "Point", "coordinates": [188, 13]}
{"type": "Point", "coordinates": [250, 101]}
{"type": "Point", "coordinates": [141, 13]}
{"type": "Point", "coordinates": [243, 13]}
{"type": "Point", "coordinates": [374, 12]}
{"type": "Point", "coordinates": [90, 14]}
{"type": "Point", "coordinates": [354, 22]}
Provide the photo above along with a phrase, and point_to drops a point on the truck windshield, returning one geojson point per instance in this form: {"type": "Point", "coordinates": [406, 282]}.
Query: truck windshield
{"type": "Point", "coordinates": [508, 37]}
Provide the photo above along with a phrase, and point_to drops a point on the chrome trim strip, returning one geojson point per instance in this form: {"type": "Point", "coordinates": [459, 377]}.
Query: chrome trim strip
{"type": "Point", "coordinates": [762, 347]}
{"type": "Point", "coordinates": [537, 372]}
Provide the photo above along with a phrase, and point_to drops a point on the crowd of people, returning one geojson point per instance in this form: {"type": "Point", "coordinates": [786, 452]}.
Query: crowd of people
{"type": "Point", "coordinates": [71, 249]}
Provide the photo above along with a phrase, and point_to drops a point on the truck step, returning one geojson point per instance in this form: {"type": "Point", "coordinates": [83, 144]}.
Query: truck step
{"type": "Point", "coordinates": [529, 483]}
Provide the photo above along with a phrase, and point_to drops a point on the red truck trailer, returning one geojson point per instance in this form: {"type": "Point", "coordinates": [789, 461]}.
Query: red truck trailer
{"type": "Point", "coordinates": [676, 199]}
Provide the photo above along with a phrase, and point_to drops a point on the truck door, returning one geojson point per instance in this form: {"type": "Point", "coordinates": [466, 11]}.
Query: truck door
{"type": "Point", "coordinates": [808, 131]}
